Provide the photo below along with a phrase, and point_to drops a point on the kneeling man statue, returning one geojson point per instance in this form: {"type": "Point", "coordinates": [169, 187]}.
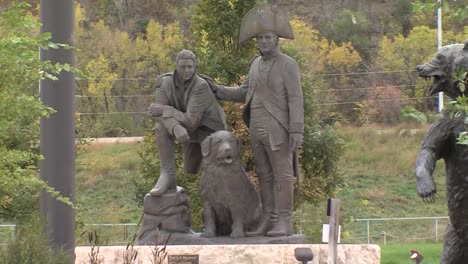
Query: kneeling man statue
{"type": "Point", "coordinates": [187, 112]}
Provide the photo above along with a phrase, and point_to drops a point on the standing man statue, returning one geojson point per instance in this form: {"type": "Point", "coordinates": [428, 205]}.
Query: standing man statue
{"type": "Point", "coordinates": [187, 112]}
{"type": "Point", "coordinates": [274, 114]}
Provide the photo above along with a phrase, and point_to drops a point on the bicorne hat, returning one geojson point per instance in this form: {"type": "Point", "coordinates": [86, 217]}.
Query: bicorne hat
{"type": "Point", "coordinates": [265, 18]}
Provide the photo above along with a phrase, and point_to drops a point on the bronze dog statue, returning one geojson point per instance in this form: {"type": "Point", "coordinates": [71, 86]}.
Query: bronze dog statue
{"type": "Point", "coordinates": [231, 205]}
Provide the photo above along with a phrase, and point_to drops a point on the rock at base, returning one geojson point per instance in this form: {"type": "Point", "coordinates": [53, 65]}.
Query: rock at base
{"type": "Point", "coordinates": [169, 212]}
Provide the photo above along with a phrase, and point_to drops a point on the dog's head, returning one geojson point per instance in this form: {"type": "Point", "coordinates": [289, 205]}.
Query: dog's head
{"type": "Point", "coordinates": [221, 147]}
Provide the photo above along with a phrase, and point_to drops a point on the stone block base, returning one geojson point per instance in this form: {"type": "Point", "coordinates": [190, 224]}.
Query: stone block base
{"type": "Point", "coordinates": [169, 212]}
{"type": "Point", "coordinates": [241, 254]}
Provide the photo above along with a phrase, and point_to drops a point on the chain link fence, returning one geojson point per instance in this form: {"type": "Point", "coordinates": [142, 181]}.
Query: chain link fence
{"type": "Point", "coordinates": [395, 230]}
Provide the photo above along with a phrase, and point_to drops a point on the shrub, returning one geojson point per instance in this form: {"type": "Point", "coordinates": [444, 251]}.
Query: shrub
{"type": "Point", "coordinates": [383, 105]}
{"type": "Point", "coordinates": [30, 246]}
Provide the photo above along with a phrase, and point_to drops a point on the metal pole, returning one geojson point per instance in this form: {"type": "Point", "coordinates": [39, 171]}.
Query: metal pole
{"type": "Point", "coordinates": [58, 131]}
{"type": "Point", "coordinates": [439, 45]}
{"type": "Point", "coordinates": [436, 230]}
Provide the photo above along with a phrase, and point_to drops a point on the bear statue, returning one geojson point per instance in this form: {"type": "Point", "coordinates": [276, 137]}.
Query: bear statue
{"type": "Point", "coordinates": [441, 142]}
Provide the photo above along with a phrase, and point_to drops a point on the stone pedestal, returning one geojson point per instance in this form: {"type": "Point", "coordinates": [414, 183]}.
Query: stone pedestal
{"type": "Point", "coordinates": [241, 254]}
{"type": "Point", "coordinates": [169, 212]}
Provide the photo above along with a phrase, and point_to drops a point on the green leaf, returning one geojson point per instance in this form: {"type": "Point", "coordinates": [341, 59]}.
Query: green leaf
{"type": "Point", "coordinates": [411, 112]}
{"type": "Point", "coordinates": [66, 66]}
{"type": "Point", "coordinates": [463, 138]}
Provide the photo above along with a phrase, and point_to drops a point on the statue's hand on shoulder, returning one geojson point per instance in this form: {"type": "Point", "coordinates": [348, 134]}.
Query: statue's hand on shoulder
{"type": "Point", "coordinates": [295, 140]}
{"type": "Point", "coordinates": [181, 134]}
{"type": "Point", "coordinates": [211, 83]}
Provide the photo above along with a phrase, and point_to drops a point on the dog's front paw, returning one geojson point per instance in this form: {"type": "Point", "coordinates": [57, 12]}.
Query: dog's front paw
{"type": "Point", "coordinates": [208, 233]}
{"type": "Point", "coordinates": [237, 234]}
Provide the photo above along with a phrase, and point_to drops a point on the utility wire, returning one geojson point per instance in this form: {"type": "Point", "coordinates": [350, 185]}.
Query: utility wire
{"type": "Point", "coordinates": [324, 104]}
{"type": "Point", "coordinates": [384, 100]}
{"type": "Point", "coordinates": [114, 96]}
{"type": "Point", "coordinates": [321, 74]}
{"type": "Point", "coordinates": [364, 88]}
{"type": "Point", "coordinates": [319, 90]}
{"type": "Point", "coordinates": [361, 73]}
{"type": "Point", "coordinates": [109, 113]}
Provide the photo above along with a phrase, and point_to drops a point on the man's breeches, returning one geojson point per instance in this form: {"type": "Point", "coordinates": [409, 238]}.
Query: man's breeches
{"type": "Point", "coordinates": [271, 166]}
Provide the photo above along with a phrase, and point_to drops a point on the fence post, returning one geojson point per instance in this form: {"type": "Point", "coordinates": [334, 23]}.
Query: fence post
{"type": "Point", "coordinates": [384, 237]}
{"type": "Point", "coordinates": [367, 232]}
{"type": "Point", "coordinates": [436, 230]}
{"type": "Point", "coordinates": [13, 233]}
{"type": "Point", "coordinates": [333, 235]}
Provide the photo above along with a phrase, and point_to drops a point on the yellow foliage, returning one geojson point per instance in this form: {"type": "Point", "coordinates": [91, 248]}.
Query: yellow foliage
{"type": "Point", "coordinates": [402, 53]}
{"type": "Point", "coordinates": [343, 58]}
{"type": "Point", "coordinates": [390, 58]}
{"type": "Point", "coordinates": [100, 76]}
{"type": "Point", "coordinates": [163, 43]}
{"type": "Point", "coordinates": [79, 18]}
{"type": "Point", "coordinates": [306, 43]}
{"type": "Point", "coordinates": [318, 53]}
{"type": "Point", "coordinates": [450, 38]}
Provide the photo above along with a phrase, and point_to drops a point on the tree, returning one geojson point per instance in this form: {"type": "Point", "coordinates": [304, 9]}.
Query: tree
{"type": "Point", "coordinates": [215, 28]}
{"type": "Point", "coordinates": [454, 13]}
{"type": "Point", "coordinates": [402, 11]}
{"type": "Point", "coordinates": [350, 26]}
{"type": "Point", "coordinates": [20, 111]}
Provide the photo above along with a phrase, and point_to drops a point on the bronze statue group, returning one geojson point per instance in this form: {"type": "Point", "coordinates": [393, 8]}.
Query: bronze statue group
{"type": "Point", "coordinates": [187, 112]}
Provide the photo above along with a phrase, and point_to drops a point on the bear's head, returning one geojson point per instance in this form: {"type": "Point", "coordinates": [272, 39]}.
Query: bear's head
{"type": "Point", "coordinates": [448, 60]}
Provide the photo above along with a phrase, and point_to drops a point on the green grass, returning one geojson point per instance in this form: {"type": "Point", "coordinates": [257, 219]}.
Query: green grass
{"type": "Point", "coordinates": [104, 189]}
{"type": "Point", "coordinates": [399, 253]}
{"type": "Point", "coordinates": [379, 181]}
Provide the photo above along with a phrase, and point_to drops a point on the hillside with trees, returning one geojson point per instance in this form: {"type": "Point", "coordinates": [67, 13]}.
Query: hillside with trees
{"type": "Point", "coordinates": [358, 56]}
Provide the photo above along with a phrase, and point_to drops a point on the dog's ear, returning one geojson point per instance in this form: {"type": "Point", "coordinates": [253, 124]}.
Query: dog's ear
{"type": "Point", "coordinates": [205, 146]}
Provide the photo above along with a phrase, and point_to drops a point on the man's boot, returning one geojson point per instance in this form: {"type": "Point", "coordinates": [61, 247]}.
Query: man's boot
{"type": "Point", "coordinates": [268, 210]}
{"type": "Point", "coordinates": [167, 181]}
{"type": "Point", "coordinates": [283, 227]}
